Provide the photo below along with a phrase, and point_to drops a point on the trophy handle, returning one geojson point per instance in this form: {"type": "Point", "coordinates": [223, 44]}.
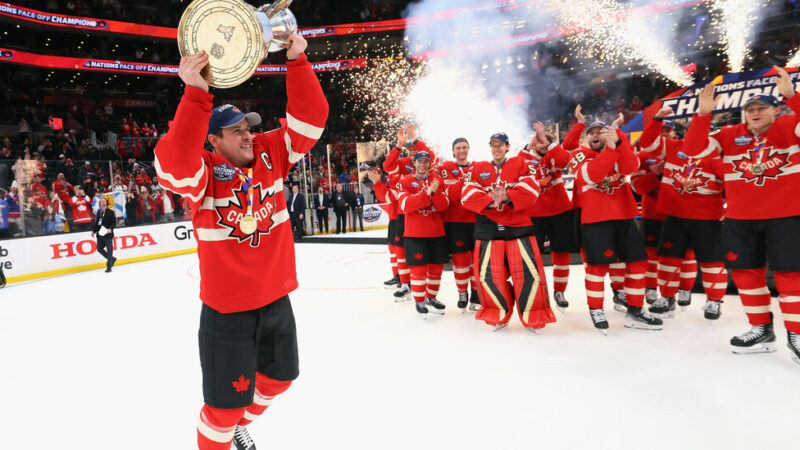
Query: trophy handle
{"type": "Point", "coordinates": [275, 7]}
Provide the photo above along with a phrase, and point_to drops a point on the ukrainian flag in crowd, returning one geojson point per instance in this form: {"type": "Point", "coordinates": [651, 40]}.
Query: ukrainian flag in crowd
{"type": "Point", "coordinates": [116, 201]}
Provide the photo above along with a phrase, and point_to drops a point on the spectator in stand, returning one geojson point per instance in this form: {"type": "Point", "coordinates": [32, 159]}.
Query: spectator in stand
{"type": "Point", "coordinates": [88, 186]}
{"type": "Point", "coordinates": [131, 208]}
{"type": "Point", "coordinates": [12, 198]}
{"type": "Point", "coordinates": [118, 185]}
{"type": "Point", "coordinates": [122, 149]}
{"type": "Point", "coordinates": [636, 104]}
{"type": "Point", "coordinates": [166, 204]}
{"type": "Point", "coordinates": [357, 203]}
{"type": "Point", "coordinates": [38, 191]}
{"type": "Point", "coordinates": [146, 210]}
{"type": "Point", "coordinates": [81, 210]}
{"type": "Point", "coordinates": [104, 224]}
{"type": "Point", "coordinates": [297, 211]}
{"type": "Point", "coordinates": [33, 215]}
{"type": "Point", "coordinates": [59, 213]}
{"type": "Point", "coordinates": [321, 203]}
{"type": "Point", "coordinates": [340, 204]}
{"type": "Point", "coordinates": [70, 171]}
{"type": "Point", "coordinates": [142, 180]}
{"type": "Point", "coordinates": [62, 188]}
{"type": "Point", "coordinates": [49, 220]}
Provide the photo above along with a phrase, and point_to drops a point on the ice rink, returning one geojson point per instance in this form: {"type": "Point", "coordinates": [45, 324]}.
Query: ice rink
{"type": "Point", "coordinates": [110, 361]}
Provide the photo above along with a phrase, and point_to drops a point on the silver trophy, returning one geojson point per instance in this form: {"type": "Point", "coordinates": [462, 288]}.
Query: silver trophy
{"type": "Point", "coordinates": [278, 24]}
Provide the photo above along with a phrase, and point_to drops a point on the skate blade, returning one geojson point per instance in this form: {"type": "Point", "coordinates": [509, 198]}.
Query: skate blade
{"type": "Point", "coordinates": [796, 358]}
{"type": "Point", "coordinates": [474, 308]}
{"type": "Point", "coordinates": [438, 312]}
{"type": "Point", "coordinates": [664, 315]}
{"type": "Point", "coordinates": [642, 326]}
{"type": "Point", "coordinates": [423, 316]}
{"type": "Point", "coordinates": [561, 309]}
{"type": "Point", "coordinates": [766, 347]}
{"type": "Point", "coordinates": [402, 299]}
{"type": "Point", "coordinates": [683, 308]}
{"type": "Point", "coordinates": [499, 327]}
{"type": "Point", "coordinates": [535, 331]}
{"type": "Point", "coordinates": [620, 308]}
{"type": "Point", "coordinates": [602, 331]}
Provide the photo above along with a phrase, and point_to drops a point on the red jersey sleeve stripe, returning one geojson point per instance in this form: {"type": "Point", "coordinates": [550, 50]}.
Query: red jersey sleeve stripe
{"type": "Point", "coordinates": [306, 129]}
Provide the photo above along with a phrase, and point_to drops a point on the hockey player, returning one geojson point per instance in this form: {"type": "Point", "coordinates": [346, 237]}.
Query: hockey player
{"type": "Point", "coordinates": [609, 232]}
{"type": "Point", "coordinates": [552, 214]}
{"type": "Point", "coordinates": [247, 337]}
{"type": "Point", "coordinates": [502, 193]}
{"type": "Point", "coordinates": [396, 167]}
{"type": "Point", "coordinates": [762, 177]}
{"type": "Point", "coordinates": [381, 193]}
{"type": "Point", "coordinates": [459, 224]}
{"type": "Point", "coordinates": [691, 197]}
{"type": "Point", "coordinates": [578, 154]}
{"type": "Point", "coordinates": [422, 199]}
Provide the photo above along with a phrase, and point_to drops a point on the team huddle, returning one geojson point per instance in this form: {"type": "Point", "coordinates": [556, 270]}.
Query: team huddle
{"type": "Point", "coordinates": [720, 199]}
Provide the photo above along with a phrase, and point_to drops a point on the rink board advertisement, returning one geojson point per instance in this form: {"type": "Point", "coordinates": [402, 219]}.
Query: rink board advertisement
{"type": "Point", "coordinates": [59, 254]}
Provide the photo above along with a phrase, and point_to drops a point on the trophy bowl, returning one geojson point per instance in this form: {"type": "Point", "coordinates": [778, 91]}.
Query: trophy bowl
{"type": "Point", "coordinates": [235, 35]}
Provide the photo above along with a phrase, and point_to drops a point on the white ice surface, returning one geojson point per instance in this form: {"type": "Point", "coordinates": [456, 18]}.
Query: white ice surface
{"type": "Point", "coordinates": [97, 361]}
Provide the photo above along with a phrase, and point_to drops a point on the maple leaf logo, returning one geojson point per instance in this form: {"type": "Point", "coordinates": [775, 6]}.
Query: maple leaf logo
{"type": "Point", "coordinates": [459, 244]}
{"type": "Point", "coordinates": [242, 384]}
{"type": "Point", "coordinates": [232, 213]}
{"type": "Point", "coordinates": [667, 244]}
{"type": "Point", "coordinates": [609, 184]}
{"type": "Point", "coordinates": [418, 255]}
{"type": "Point", "coordinates": [608, 253]}
{"type": "Point", "coordinates": [397, 238]}
{"type": "Point", "coordinates": [730, 256]}
{"type": "Point", "coordinates": [773, 162]}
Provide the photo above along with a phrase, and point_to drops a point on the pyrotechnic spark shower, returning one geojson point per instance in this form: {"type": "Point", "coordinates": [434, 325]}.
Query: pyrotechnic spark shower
{"type": "Point", "coordinates": [736, 19]}
{"type": "Point", "coordinates": [618, 35]}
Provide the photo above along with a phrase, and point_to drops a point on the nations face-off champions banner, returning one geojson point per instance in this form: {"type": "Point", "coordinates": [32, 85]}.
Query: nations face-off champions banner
{"type": "Point", "coordinates": [732, 90]}
{"type": "Point", "coordinates": [59, 254]}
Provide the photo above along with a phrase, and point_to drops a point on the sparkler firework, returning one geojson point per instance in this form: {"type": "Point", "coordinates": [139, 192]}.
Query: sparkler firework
{"type": "Point", "coordinates": [616, 34]}
{"type": "Point", "coordinates": [736, 19]}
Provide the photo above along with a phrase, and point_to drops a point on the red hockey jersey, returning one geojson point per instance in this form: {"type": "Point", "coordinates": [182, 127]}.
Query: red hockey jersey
{"type": "Point", "coordinates": [577, 155]}
{"type": "Point", "coordinates": [382, 194]}
{"type": "Point", "coordinates": [81, 209]}
{"type": "Point", "coordinates": [396, 164]}
{"type": "Point", "coordinates": [647, 184]}
{"type": "Point", "coordinates": [760, 183]}
{"type": "Point", "coordinates": [553, 198]}
{"type": "Point", "coordinates": [453, 176]}
{"type": "Point", "coordinates": [603, 184]}
{"type": "Point", "coordinates": [423, 212]}
{"type": "Point", "coordinates": [690, 188]}
{"type": "Point", "coordinates": [517, 176]}
{"type": "Point", "coordinates": [239, 271]}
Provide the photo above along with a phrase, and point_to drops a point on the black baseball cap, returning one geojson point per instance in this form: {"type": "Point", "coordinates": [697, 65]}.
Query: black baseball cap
{"type": "Point", "coordinates": [668, 124]}
{"type": "Point", "coordinates": [501, 137]}
{"type": "Point", "coordinates": [227, 116]}
{"type": "Point", "coordinates": [595, 124]}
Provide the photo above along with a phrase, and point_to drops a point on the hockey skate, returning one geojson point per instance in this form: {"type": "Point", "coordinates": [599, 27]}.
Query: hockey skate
{"type": "Point", "coordinates": [650, 295]}
{"type": "Point", "coordinates": [422, 310]}
{"type": "Point", "coordinates": [684, 298]}
{"type": "Point", "coordinates": [664, 307]}
{"type": "Point", "coordinates": [499, 327]}
{"type": "Point", "coordinates": [619, 301]}
{"type": "Point", "coordinates": [760, 339]}
{"type": "Point", "coordinates": [474, 301]}
{"type": "Point", "coordinates": [639, 318]}
{"type": "Point", "coordinates": [463, 299]}
{"type": "Point", "coordinates": [794, 346]}
{"type": "Point", "coordinates": [561, 302]}
{"type": "Point", "coordinates": [711, 310]}
{"type": "Point", "coordinates": [402, 294]}
{"type": "Point", "coordinates": [599, 320]}
{"type": "Point", "coordinates": [535, 330]}
{"type": "Point", "coordinates": [436, 306]}
{"type": "Point", "coordinates": [392, 283]}
{"type": "Point", "coordinates": [242, 439]}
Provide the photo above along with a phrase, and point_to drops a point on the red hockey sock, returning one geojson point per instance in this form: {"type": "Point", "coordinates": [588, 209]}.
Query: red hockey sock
{"type": "Point", "coordinates": [402, 267]}
{"type": "Point", "coordinates": [715, 280]}
{"type": "Point", "coordinates": [668, 274]}
{"type": "Point", "coordinates": [616, 272]}
{"type": "Point", "coordinates": [393, 261]}
{"type": "Point", "coordinates": [216, 426]}
{"type": "Point", "coordinates": [634, 282]}
{"type": "Point", "coordinates": [788, 285]}
{"type": "Point", "coordinates": [419, 276]}
{"type": "Point", "coordinates": [434, 278]}
{"type": "Point", "coordinates": [595, 290]}
{"type": "Point", "coordinates": [651, 276]}
{"type": "Point", "coordinates": [462, 267]}
{"type": "Point", "coordinates": [560, 270]}
{"type": "Point", "coordinates": [752, 285]}
{"type": "Point", "coordinates": [688, 272]}
{"type": "Point", "coordinates": [583, 255]}
{"type": "Point", "coordinates": [266, 390]}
